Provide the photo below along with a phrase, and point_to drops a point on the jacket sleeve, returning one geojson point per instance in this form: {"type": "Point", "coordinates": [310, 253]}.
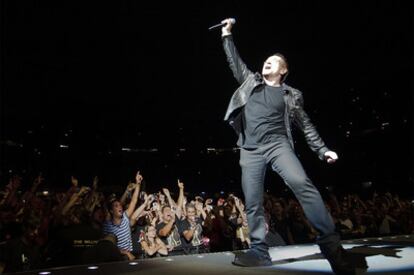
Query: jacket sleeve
{"type": "Point", "coordinates": [238, 67]}
{"type": "Point", "coordinates": [302, 120]}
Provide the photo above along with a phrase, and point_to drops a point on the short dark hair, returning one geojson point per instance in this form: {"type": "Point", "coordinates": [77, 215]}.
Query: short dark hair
{"type": "Point", "coordinates": [111, 202]}
{"type": "Point", "coordinates": [285, 63]}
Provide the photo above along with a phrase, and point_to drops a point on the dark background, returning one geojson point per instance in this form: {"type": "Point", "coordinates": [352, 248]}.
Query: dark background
{"type": "Point", "coordinates": [98, 77]}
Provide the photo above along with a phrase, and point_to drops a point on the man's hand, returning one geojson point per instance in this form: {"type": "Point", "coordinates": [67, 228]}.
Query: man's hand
{"type": "Point", "coordinates": [330, 156]}
{"type": "Point", "coordinates": [95, 183]}
{"type": "Point", "coordinates": [226, 30]}
{"type": "Point", "coordinates": [198, 206]}
{"type": "Point", "coordinates": [173, 215]}
{"type": "Point", "coordinates": [154, 221]}
{"type": "Point", "coordinates": [131, 186]}
{"type": "Point", "coordinates": [138, 178]}
{"type": "Point", "coordinates": [166, 192]}
{"type": "Point", "coordinates": [180, 184]}
{"type": "Point", "coordinates": [236, 201]}
{"type": "Point", "coordinates": [151, 198]}
{"type": "Point", "coordinates": [84, 190]}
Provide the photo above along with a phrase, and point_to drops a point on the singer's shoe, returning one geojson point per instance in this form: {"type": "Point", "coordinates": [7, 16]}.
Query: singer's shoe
{"type": "Point", "coordinates": [336, 255]}
{"type": "Point", "coordinates": [252, 258]}
{"type": "Point", "coordinates": [340, 264]}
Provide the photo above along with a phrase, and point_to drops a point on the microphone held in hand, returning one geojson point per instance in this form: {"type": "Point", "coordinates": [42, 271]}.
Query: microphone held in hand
{"type": "Point", "coordinates": [232, 21]}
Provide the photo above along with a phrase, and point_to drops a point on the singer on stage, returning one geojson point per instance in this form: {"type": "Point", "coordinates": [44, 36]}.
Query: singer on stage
{"type": "Point", "coordinates": [261, 112]}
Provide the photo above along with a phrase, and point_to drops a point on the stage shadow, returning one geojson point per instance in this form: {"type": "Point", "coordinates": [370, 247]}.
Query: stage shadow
{"type": "Point", "coordinates": [356, 256]}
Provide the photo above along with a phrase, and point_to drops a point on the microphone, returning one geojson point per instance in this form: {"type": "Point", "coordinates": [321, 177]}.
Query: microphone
{"type": "Point", "coordinates": [232, 21]}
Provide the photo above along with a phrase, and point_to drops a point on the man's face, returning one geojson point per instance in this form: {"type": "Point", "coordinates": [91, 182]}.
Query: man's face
{"type": "Point", "coordinates": [274, 66]}
{"type": "Point", "coordinates": [117, 210]}
{"type": "Point", "coordinates": [166, 214]}
{"type": "Point", "coordinates": [191, 213]}
{"type": "Point", "coordinates": [31, 234]}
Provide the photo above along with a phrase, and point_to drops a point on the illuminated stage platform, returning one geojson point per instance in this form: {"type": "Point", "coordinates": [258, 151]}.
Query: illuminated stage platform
{"type": "Point", "coordinates": [386, 255]}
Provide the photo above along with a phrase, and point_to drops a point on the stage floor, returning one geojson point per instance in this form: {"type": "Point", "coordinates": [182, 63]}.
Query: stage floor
{"type": "Point", "coordinates": [374, 255]}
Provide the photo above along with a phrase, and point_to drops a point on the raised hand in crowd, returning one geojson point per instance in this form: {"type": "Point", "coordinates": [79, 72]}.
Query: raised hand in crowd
{"type": "Point", "coordinates": [93, 198]}
{"type": "Point", "coordinates": [180, 201]}
{"type": "Point", "coordinates": [140, 211]}
{"type": "Point", "coordinates": [138, 178]}
{"type": "Point", "coordinates": [74, 199]}
{"type": "Point", "coordinates": [170, 200]}
{"type": "Point", "coordinates": [130, 187]}
{"type": "Point", "coordinates": [74, 181]}
{"type": "Point", "coordinates": [154, 220]}
{"type": "Point", "coordinates": [95, 183]}
{"type": "Point", "coordinates": [180, 184]}
{"type": "Point", "coordinates": [208, 205]}
{"type": "Point", "coordinates": [28, 196]}
{"type": "Point", "coordinates": [134, 199]}
{"type": "Point", "coordinates": [200, 210]}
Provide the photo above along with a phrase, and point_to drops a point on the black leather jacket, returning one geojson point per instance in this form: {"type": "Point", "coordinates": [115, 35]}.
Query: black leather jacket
{"type": "Point", "coordinates": [248, 80]}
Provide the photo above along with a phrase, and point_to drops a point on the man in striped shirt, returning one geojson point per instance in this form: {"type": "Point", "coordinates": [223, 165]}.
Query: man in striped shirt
{"type": "Point", "coordinates": [119, 222]}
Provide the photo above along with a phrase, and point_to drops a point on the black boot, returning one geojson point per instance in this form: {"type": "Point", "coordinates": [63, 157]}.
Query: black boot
{"type": "Point", "coordinates": [253, 257]}
{"type": "Point", "coordinates": [336, 255]}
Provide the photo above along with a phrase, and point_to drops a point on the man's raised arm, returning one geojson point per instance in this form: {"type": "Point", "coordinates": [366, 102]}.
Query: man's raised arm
{"type": "Point", "coordinates": [238, 67]}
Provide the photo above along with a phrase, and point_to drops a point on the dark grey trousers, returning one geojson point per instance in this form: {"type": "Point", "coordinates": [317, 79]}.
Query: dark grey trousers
{"type": "Point", "coordinates": [284, 161]}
